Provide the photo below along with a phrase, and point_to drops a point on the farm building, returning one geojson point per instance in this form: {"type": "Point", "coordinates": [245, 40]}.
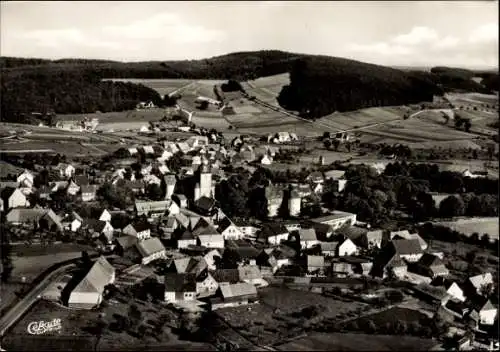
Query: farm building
{"type": "Point", "coordinates": [337, 219]}
{"type": "Point", "coordinates": [234, 295]}
{"type": "Point", "coordinates": [87, 294]}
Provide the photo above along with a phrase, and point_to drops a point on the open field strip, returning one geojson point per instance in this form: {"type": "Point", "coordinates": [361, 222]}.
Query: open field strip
{"type": "Point", "coordinates": [481, 226]}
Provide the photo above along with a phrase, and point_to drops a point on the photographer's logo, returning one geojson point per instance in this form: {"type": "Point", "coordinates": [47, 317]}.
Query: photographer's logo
{"type": "Point", "coordinates": [42, 327]}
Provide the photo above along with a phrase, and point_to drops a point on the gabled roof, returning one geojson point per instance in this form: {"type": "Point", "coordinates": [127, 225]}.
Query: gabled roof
{"type": "Point", "coordinates": [94, 224]}
{"type": "Point", "coordinates": [237, 290]}
{"type": "Point", "coordinates": [185, 282]}
{"type": "Point", "coordinates": [81, 180]}
{"type": "Point", "coordinates": [140, 226]}
{"type": "Point", "coordinates": [127, 241]}
{"type": "Point", "coordinates": [187, 235]}
{"type": "Point", "coordinates": [224, 224]}
{"type": "Point", "coordinates": [315, 260]}
{"type": "Point", "coordinates": [428, 260]}
{"type": "Point", "coordinates": [75, 216]}
{"type": "Point", "coordinates": [273, 229]}
{"type": "Point", "coordinates": [205, 203]}
{"type": "Point", "coordinates": [204, 228]}
{"type": "Point", "coordinates": [480, 280]}
{"type": "Point", "coordinates": [307, 235]}
{"type": "Point", "coordinates": [99, 275]}
{"type": "Point", "coordinates": [337, 214]}
{"type": "Point", "coordinates": [329, 246]}
{"type": "Point", "coordinates": [150, 246]}
{"type": "Point", "coordinates": [24, 215]}
{"type": "Point", "coordinates": [334, 174]}
{"type": "Point", "coordinates": [226, 275]}
{"type": "Point", "coordinates": [249, 272]}
{"type": "Point", "coordinates": [406, 247]}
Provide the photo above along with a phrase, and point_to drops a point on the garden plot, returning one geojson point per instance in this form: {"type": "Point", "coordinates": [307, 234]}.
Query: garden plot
{"type": "Point", "coordinates": [357, 342]}
{"type": "Point", "coordinates": [284, 313]}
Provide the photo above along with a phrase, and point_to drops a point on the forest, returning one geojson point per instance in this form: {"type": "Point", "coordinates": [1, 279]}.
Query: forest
{"type": "Point", "coordinates": [319, 84]}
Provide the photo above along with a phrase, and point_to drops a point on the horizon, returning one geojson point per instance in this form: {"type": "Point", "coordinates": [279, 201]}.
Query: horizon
{"type": "Point", "coordinates": [400, 34]}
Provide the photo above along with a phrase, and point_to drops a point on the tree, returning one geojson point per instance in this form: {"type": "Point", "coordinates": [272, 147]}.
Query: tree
{"type": "Point", "coordinates": [485, 240]}
{"type": "Point", "coordinates": [452, 206]}
{"type": "Point", "coordinates": [327, 144]}
{"type": "Point", "coordinates": [134, 314]}
{"type": "Point", "coordinates": [229, 260]}
{"type": "Point", "coordinates": [467, 125]}
{"type": "Point", "coordinates": [154, 191]}
{"type": "Point", "coordinates": [471, 255]}
{"type": "Point", "coordinates": [5, 253]}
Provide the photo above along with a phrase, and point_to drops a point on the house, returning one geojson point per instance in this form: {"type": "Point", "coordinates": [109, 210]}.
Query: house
{"type": "Point", "coordinates": [273, 233]}
{"type": "Point", "coordinates": [148, 150]}
{"type": "Point", "coordinates": [234, 295]}
{"type": "Point", "coordinates": [475, 284]}
{"type": "Point", "coordinates": [65, 170]}
{"type": "Point", "coordinates": [88, 192]}
{"type": "Point", "coordinates": [88, 293]}
{"type": "Point", "coordinates": [246, 251]}
{"type": "Point", "coordinates": [26, 179]}
{"type": "Point", "coordinates": [168, 226]}
{"type": "Point", "coordinates": [26, 216]}
{"type": "Point", "coordinates": [453, 291]}
{"type": "Point", "coordinates": [406, 235]}
{"type": "Point", "coordinates": [337, 179]}
{"type": "Point", "coordinates": [210, 258]}
{"type": "Point", "coordinates": [316, 264]}
{"type": "Point", "coordinates": [50, 221]}
{"type": "Point", "coordinates": [72, 188]}
{"type": "Point", "coordinates": [74, 222]}
{"type": "Point", "coordinates": [430, 266]}
{"type": "Point", "coordinates": [211, 240]}
{"type": "Point", "coordinates": [251, 275]}
{"type": "Point", "coordinates": [180, 199]}
{"type": "Point", "coordinates": [388, 262]}
{"type": "Point", "coordinates": [374, 239]}
{"type": "Point", "coordinates": [105, 216]}
{"type": "Point", "coordinates": [180, 287]}
{"type": "Point", "coordinates": [273, 258]}
{"type": "Point", "coordinates": [410, 250]}
{"type": "Point", "coordinates": [342, 269]}
{"type": "Point", "coordinates": [99, 227]}
{"type": "Point", "coordinates": [151, 249]}
{"type": "Point", "coordinates": [248, 230]}
{"type": "Point", "coordinates": [206, 285]}
{"type": "Point", "coordinates": [483, 312]}
{"type": "Point", "coordinates": [226, 276]}
{"type": "Point", "coordinates": [307, 238]}
{"type": "Point", "coordinates": [266, 160]}
{"type": "Point", "coordinates": [294, 203]}
{"type": "Point", "coordinates": [205, 205]}
{"type": "Point", "coordinates": [151, 208]}
{"type": "Point", "coordinates": [229, 230]}
{"type": "Point", "coordinates": [329, 249]}
{"type": "Point", "coordinates": [337, 219]}
{"type": "Point", "coordinates": [186, 239]}
{"type": "Point", "coordinates": [346, 247]}
{"type": "Point", "coordinates": [13, 198]}
{"type": "Point", "coordinates": [139, 229]}
{"type": "Point", "coordinates": [274, 198]}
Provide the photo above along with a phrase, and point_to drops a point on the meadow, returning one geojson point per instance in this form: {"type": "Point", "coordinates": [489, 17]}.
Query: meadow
{"type": "Point", "coordinates": [481, 226]}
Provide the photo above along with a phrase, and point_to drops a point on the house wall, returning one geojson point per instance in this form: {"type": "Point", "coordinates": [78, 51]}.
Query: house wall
{"type": "Point", "coordinates": [308, 244]}
{"type": "Point", "coordinates": [347, 248]}
{"type": "Point", "coordinates": [207, 285]}
{"type": "Point", "coordinates": [277, 239]}
{"type": "Point", "coordinates": [105, 216]}
{"type": "Point", "coordinates": [84, 300]}
{"type": "Point", "coordinates": [185, 243]}
{"type": "Point", "coordinates": [411, 257]}
{"type": "Point", "coordinates": [169, 296]}
{"type": "Point", "coordinates": [456, 292]}
{"type": "Point", "coordinates": [212, 244]}
{"type": "Point", "coordinates": [487, 317]}
{"type": "Point", "coordinates": [144, 234]}
{"type": "Point", "coordinates": [399, 271]}
{"type": "Point", "coordinates": [17, 199]}
{"type": "Point", "coordinates": [273, 207]}
{"type": "Point", "coordinates": [154, 256]}
{"type": "Point", "coordinates": [232, 232]}
{"type": "Point", "coordinates": [75, 225]}
{"type": "Point", "coordinates": [87, 197]}
{"type": "Point", "coordinates": [294, 206]}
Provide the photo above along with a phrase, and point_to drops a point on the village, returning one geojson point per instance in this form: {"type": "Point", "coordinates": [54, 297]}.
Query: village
{"type": "Point", "coordinates": [154, 219]}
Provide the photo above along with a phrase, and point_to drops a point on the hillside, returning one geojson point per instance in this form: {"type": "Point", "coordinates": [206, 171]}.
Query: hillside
{"type": "Point", "coordinates": [319, 84]}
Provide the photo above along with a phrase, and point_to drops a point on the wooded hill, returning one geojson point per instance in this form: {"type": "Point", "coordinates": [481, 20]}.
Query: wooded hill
{"type": "Point", "coordinates": [319, 84]}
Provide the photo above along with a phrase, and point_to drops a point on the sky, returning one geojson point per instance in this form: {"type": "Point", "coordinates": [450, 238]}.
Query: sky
{"type": "Point", "coordinates": [395, 33]}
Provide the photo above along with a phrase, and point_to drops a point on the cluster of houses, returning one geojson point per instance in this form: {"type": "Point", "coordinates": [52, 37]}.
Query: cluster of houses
{"type": "Point", "coordinates": [206, 258]}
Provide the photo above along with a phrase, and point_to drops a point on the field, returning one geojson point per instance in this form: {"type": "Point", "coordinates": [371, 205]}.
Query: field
{"type": "Point", "coordinates": [267, 88]}
{"type": "Point", "coordinates": [479, 225]}
{"type": "Point", "coordinates": [162, 86]}
{"type": "Point", "coordinates": [357, 342]}
{"type": "Point", "coordinates": [275, 319]}
{"type": "Point", "coordinates": [392, 315]}
{"type": "Point", "coordinates": [474, 98]}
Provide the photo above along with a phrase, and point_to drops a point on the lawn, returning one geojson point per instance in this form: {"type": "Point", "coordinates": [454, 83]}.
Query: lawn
{"type": "Point", "coordinates": [357, 342]}
{"type": "Point", "coordinates": [392, 315]}
{"type": "Point", "coordinates": [478, 225]}
{"type": "Point", "coordinates": [278, 315]}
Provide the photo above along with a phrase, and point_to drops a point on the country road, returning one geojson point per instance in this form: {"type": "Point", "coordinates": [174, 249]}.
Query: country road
{"type": "Point", "coordinates": [16, 312]}
{"type": "Point", "coordinates": [22, 306]}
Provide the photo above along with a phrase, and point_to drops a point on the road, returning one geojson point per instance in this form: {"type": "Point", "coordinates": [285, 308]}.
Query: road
{"type": "Point", "coordinates": [14, 314]}
{"type": "Point", "coordinates": [22, 306]}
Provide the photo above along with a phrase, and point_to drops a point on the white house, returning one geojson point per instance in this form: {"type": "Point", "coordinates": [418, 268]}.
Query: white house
{"type": "Point", "coordinates": [105, 215]}
{"type": "Point", "coordinates": [187, 239]}
{"type": "Point", "coordinates": [307, 238]}
{"type": "Point", "coordinates": [229, 230]}
{"type": "Point", "coordinates": [481, 280]}
{"type": "Point", "coordinates": [65, 170]}
{"type": "Point", "coordinates": [26, 179]}
{"type": "Point", "coordinates": [141, 230]}
{"type": "Point", "coordinates": [76, 222]}
{"type": "Point", "coordinates": [266, 160]}
{"type": "Point", "coordinates": [206, 286]}
{"type": "Point", "coordinates": [14, 198]}
{"type": "Point", "coordinates": [337, 219]}
{"type": "Point", "coordinates": [151, 249]}
{"type": "Point", "coordinates": [347, 247]}
{"type": "Point", "coordinates": [180, 287]}
{"type": "Point", "coordinates": [211, 241]}
{"type": "Point", "coordinates": [273, 233]}
{"type": "Point", "coordinates": [455, 292]}
{"type": "Point", "coordinates": [72, 189]}
{"type": "Point", "coordinates": [88, 293]}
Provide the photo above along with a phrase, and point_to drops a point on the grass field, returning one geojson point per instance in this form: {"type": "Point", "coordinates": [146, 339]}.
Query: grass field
{"type": "Point", "coordinates": [392, 315]}
{"type": "Point", "coordinates": [272, 320]}
{"type": "Point", "coordinates": [162, 86]}
{"type": "Point", "coordinates": [267, 88]}
{"type": "Point", "coordinates": [479, 225]}
{"type": "Point", "coordinates": [357, 342]}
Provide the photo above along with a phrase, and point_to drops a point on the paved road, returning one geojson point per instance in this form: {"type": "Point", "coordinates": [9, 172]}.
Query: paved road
{"type": "Point", "coordinates": [22, 306]}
